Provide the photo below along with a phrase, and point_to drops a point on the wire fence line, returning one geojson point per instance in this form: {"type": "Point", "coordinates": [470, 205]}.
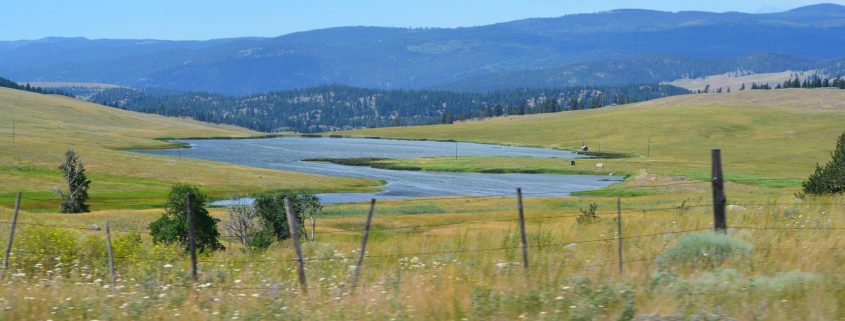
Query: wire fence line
{"type": "Point", "coordinates": [451, 251]}
{"type": "Point", "coordinates": [97, 227]}
{"type": "Point", "coordinates": [719, 206]}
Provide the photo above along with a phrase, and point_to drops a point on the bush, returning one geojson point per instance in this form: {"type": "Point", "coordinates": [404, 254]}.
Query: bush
{"type": "Point", "coordinates": [709, 249]}
{"type": "Point", "coordinates": [829, 179]}
{"type": "Point", "coordinates": [270, 209]}
{"type": "Point", "coordinates": [588, 216]}
{"type": "Point", "coordinates": [173, 226]}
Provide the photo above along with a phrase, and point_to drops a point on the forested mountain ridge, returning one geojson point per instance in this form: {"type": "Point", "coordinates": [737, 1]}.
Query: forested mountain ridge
{"type": "Point", "coordinates": [399, 58]}
{"type": "Point", "coordinates": [336, 107]}
{"type": "Point", "coordinates": [644, 69]}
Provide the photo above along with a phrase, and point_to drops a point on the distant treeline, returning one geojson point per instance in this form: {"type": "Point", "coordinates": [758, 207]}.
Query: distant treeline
{"type": "Point", "coordinates": [14, 85]}
{"type": "Point", "coordinates": [337, 107]}
{"type": "Point", "coordinates": [814, 81]}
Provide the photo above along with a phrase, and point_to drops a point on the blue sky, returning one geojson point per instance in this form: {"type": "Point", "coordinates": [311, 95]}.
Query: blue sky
{"type": "Point", "coordinates": [207, 19]}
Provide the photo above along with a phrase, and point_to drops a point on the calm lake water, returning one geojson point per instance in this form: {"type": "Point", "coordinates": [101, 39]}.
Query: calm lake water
{"type": "Point", "coordinates": [287, 154]}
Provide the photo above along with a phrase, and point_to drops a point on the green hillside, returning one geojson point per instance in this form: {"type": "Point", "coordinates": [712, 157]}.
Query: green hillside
{"type": "Point", "coordinates": [779, 134]}
{"type": "Point", "coordinates": [46, 126]}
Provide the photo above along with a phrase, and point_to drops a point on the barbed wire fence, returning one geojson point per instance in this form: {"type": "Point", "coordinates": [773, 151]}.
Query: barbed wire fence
{"type": "Point", "coordinates": [719, 225]}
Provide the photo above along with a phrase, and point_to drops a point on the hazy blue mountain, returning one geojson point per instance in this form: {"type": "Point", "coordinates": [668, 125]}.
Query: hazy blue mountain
{"type": "Point", "coordinates": [646, 69]}
{"type": "Point", "coordinates": [392, 58]}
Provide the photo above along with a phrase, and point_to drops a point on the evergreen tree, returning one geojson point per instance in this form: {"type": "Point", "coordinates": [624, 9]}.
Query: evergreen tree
{"type": "Point", "coordinates": [829, 179]}
{"type": "Point", "coordinates": [448, 118]}
{"type": "Point", "coordinates": [74, 200]}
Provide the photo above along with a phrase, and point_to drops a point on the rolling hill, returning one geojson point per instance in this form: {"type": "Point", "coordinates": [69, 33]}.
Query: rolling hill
{"type": "Point", "coordinates": [45, 126]}
{"type": "Point", "coordinates": [765, 136]}
{"type": "Point", "coordinates": [386, 58]}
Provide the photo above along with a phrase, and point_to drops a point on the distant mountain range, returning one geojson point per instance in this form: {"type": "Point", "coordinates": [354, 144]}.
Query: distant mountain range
{"type": "Point", "coordinates": [608, 48]}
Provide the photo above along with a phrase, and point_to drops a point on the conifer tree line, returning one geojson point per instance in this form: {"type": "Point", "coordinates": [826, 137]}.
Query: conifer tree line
{"type": "Point", "coordinates": [337, 107]}
{"type": "Point", "coordinates": [6, 83]}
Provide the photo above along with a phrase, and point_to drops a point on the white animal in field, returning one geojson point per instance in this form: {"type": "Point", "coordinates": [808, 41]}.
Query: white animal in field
{"type": "Point", "coordinates": [600, 166]}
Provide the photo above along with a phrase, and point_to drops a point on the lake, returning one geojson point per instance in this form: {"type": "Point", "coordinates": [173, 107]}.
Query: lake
{"type": "Point", "coordinates": [287, 154]}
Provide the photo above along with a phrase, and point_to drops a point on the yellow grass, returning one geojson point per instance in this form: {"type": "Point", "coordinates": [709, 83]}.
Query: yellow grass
{"type": "Point", "coordinates": [448, 266]}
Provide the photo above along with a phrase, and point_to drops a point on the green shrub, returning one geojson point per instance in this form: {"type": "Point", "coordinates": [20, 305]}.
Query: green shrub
{"type": "Point", "coordinates": [709, 249]}
{"type": "Point", "coordinates": [829, 179]}
{"type": "Point", "coordinates": [260, 240]}
{"type": "Point", "coordinates": [785, 281]}
{"type": "Point", "coordinates": [270, 209]}
{"type": "Point", "coordinates": [588, 216]}
{"type": "Point", "coordinates": [172, 227]}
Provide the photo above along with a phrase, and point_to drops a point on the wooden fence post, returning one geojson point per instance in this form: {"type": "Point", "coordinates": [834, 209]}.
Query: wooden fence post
{"type": "Point", "coordinates": [111, 255]}
{"type": "Point", "coordinates": [11, 236]}
{"type": "Point", "coordinates": [524, 243]}
{"type": "Point", "coordinates": [363, 244]}
{"type": "Point", "coordinates": [192, 235]}
{"type": "Point", "coordinates": [294, 233]}
{"type": "Point", "coordinates": [619, 229]}
{"type": "Point", "coordinates": [720, 223]}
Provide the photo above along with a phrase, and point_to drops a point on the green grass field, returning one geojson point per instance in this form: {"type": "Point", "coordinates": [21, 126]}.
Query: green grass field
{"type": "Point", "coordinates": [46, 126]}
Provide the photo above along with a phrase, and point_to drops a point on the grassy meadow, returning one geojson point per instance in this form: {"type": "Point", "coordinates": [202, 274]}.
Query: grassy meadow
{"type": "Point", "coordinates": [46, 126]}
{"type": "Point", "coordinates": [458, 258]}
{"type": "Point", "coordinates": [763, 135]}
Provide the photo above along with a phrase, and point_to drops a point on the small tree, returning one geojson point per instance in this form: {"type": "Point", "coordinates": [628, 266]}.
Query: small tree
{"type": "Point", "coordinates": [243, 222]}
{"type": "Point", "coordinates": [588, 216]}
{"type": "Point", "coordinates": [173, 225]}
{"type": "Point", "coordinates": [270, 209]}
{"type": "Point", "coordinates": [829, 179]}
{"type": "Point", "coordinates": [74, 200]}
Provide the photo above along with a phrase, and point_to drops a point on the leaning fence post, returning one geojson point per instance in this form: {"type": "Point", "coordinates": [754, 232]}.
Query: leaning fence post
{"type": "Point", "coordinates": [524, 243]}
{"type": "Point", "coordinates": [720, 223]}
{"type": "Point", "coordinates": [192, 235]}
{"type": "Point", "coordinates": [111, 255]}
{"type": "Point", "coordinates": [11, 236]}
{"type": "Point", "coordinates": [363, 243]}
{"type": "Point", "coordinates": [619, 229]}
{"type": "Point", "coordinates": [294, 233]}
